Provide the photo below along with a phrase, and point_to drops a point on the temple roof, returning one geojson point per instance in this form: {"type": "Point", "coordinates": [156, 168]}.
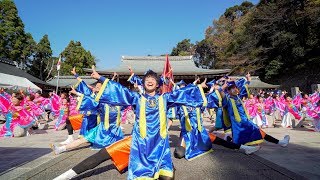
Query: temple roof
{"type": "Point", "coordinates": [182, 65]}
{"type": "Point", "coordinates": [8, 67]}
{"type": "Point", "coordinates": [68, 81]}
{"type": "Point", "coordinates": [257, 83]}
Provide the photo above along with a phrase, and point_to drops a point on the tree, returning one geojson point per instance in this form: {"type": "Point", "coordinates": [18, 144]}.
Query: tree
{"type": "Point", "coordinates": [42, 58]}
{"type": "Point", "coordinates": [28, 50]}
{"type": "Point", "coordinates": [279, 41]}
{"type": "Point", "coordinates": [205, 54]}
{"type": "Point", "coordinates": [184, 48]}
{"type": "Point", "coordinates": [15, 44]}
{"type": "Point", "coordinates": [74, 55]}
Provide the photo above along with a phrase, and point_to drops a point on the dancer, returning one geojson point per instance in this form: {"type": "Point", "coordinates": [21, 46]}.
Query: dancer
{"type": "Point", "coordinates": [243, 130]}
{"type": "Point", "coordinates": [215, 100]}
{"type": "Point", "coordinates": [195, 140]}
{"type": "Point", "coordinates": [150, 144]}
{"type": "Point", "coordinates": [18, 119]}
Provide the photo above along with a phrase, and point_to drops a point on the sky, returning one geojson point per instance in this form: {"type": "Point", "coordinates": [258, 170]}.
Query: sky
{"type": "Point", "coordinates": [110, 29]}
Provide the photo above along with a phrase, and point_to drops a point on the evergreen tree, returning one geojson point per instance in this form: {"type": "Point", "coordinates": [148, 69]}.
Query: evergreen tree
{"type": "Point", "coordinates": [74, 55]}
{"type": "Point", "coordinates": [15, 44]}
{"type": "Point", "coordinates": [42, 58]}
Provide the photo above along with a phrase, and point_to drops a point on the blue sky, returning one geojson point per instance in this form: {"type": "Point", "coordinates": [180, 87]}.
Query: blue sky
{"type": "Point", "coordinates": [112, 28]}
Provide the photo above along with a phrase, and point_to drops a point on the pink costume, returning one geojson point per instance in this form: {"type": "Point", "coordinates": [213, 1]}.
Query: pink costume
{"type": "Point", "coordinates": [250, 106]}
{"type": "Point", "coordinates": [33, 108]}
{"type": "Point", "coordinates": [60, 111]}
{"type": "Point", "coordinates": [261, 113]}
{"type": "Point", "coordinates": [15, 116]}
{"type": "Point", "coordinates": [73, 106]}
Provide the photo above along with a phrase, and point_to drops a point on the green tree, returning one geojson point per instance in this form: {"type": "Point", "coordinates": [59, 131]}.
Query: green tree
{"type": "Point", "coordinates": [184, 48]}
{"type": "Point", "coordinates": [279, 41]}
{"type": "Point", "coordinates": [205, 54]}
{"type": "Point", "coordinates": [28, 51]}
{"type": "Point", "coordinates": [42, 58]}
{"type": "Point", "coordinates": [74, 55]}
{"type": "Point", "coordinates": [15, 44]}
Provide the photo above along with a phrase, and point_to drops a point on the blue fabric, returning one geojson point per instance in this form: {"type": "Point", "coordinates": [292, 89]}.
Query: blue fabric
{"type": "Point", "coordinates": [242, 86]}
{"type": "Point", "coordinates": [9, 133]}
{"type": "Point", "coordinates": [213, 102]}
{"type": "Point", "coordinates": [211, 83]}
{"type": "Point", "coordinates": [189, 95]}
{"type": "Point", "coordinates": [136, 79]}
{"type": "Point", "coordinates": [244, 131]}
{"type": "Point", "coordinates": [88, 122]}
{"type": "Point", "coordinates": [151, 154]}
{"type": "Point", "coordinates": [88, 104]}
{"type": "Point", "coordinates": [83, 89]}
{"type": "Point", "coordinates": [172, 113]}
{"type": "Point", "coordinates": [197, 142]}
{"type": "Point", "coordinates": [219, 118]}
{"type": "Point", "coordinates": [99, 136]}
{"type": "Point", "coordinates": [181, 83]}
{"type": "Point", "coordinates": [59, 120]}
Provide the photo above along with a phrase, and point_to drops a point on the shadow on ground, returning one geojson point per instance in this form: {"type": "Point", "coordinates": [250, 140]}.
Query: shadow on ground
{"type": "Point", "coordinates": [13, 157]}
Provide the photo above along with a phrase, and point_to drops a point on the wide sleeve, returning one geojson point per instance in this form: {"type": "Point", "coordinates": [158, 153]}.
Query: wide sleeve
{"type": "Point", "coordinates": [135, 79]}
{"type": "Point", "coordinates": [225, 100]}
{"type": "Point", "coordinates": [87, 103]}
{"type": "Point", "coordinates": [115, 94]}
{"type": "Point", "coordinates": [315, 97]}
{"type": "Point", "coordinates": [55, 103]}
{"type": "Point", "coordinates": [242, 85]}
{"type": "Point", "coordinates": [212, 99]}
{"type": "Point", "coordinates": [83, 88]}
{"type": "Point", "coordinates": [163, 80]}
{"type": "Point", "coordinates": [297, 99]}
{"type": "Point", "coordinates": [190, 95]}
{"type": "Point", "coordinates": [4, 104]}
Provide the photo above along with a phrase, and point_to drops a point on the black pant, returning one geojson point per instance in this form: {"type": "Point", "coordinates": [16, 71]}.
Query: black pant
{"type": "Point", "coordinates": [69, 127]}
{"type": "Point", "coordinates": [180, 151]}
{"type": "Point", "coordinates": [92, 161]}
{"type": "Point", "coordinates": [269, 138]}
{"type": "Point", "coordinates": [98, 158]}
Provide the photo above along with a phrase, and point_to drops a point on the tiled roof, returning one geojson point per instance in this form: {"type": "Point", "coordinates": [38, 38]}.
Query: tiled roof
{"type": "Point", "coordinates": [257, 83]}
{"type": "Point", "coordinates": [68, 81]}
{"type": "Point", "coordinates": [8, 67]}
{"type": "Point", "coordinates": [182, 65]}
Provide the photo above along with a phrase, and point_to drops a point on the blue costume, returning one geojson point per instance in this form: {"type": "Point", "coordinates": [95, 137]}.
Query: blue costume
{"type": "Point", "coordinates": [150, 154]}
{"type": "Point", "coordinates": [89, 120]}
{"type": "Point", "coordinates": [172, 112]}
{"type": "Point", "coordinates": [108, 130]}
{"type": "Point", "coordinates": [215, 102]}
{"type": "Point", "coordinates": [196, 138]}
{"type": "Point", "coordinates": [243, 130]}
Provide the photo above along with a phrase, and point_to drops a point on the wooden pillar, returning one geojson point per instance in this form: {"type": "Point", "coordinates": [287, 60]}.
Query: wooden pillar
{"type": "Point", "coordinates": [294, 91]}
{"type": "Point", "coordinates": [315, 87]}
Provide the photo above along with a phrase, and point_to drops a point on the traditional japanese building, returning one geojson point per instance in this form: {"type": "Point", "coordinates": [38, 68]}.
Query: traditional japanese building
{"type": "Point", "coordinates": [256, 84]}
{"type": "Point", "coordinates": [11, 75]}
{"type": "Point", "coordinates": [183, 67]}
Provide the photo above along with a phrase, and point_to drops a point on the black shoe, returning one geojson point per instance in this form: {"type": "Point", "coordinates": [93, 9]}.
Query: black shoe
{"type": "Point", "coordinates": [229, 139]}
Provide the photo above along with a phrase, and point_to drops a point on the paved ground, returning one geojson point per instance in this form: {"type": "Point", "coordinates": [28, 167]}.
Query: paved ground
{"type": "Point", "coordinates": [31, 158]}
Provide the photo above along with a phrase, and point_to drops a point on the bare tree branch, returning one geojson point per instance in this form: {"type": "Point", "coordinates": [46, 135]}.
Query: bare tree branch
{"type": "Point", "coordinates": [49, 73]}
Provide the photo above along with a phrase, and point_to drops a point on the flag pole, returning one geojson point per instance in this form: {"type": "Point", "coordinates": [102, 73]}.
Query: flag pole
{"type": "Point", "coordinates": [57, 82]}
{"type": "Point", "coordinates": [58, 69]}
